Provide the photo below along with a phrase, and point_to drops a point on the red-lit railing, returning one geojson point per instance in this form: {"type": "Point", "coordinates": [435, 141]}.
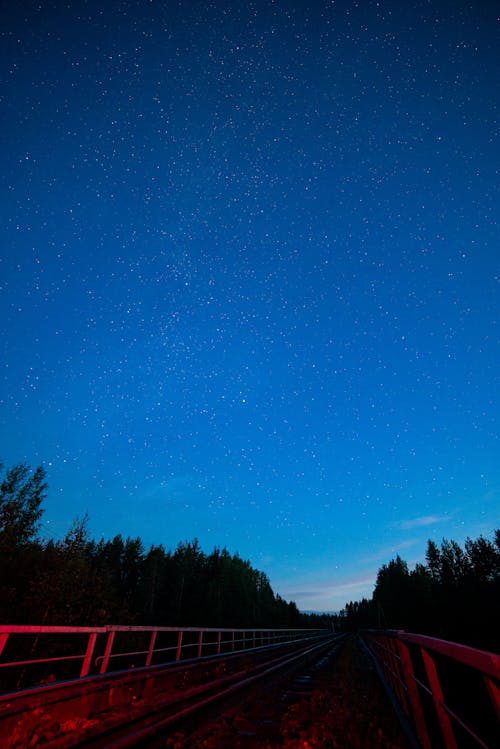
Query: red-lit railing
{"type": "Point", "coordinates": [449, 692]}
{"type": "Point", "coordinates": [53, 653]}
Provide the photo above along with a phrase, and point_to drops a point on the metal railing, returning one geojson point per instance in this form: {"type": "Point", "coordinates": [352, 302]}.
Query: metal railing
{"type": "Point", "coordinates": [448, 692]}
{"type": "Point", "coordinates": [54, 653]}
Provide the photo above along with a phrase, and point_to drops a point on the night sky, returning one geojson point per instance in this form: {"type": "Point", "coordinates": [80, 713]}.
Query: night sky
{"type": "Point", "coordinates": [249, 276]}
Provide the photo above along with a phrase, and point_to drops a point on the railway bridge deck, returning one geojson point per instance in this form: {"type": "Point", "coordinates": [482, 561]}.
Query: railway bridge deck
{"type": "Point", "coordinates": [120, 687]}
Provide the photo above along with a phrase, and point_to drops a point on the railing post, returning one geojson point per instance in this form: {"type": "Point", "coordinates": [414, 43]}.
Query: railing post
{"type": "Point", "coordinates": [3, 641]}
{"type": "Point", "coordinates": [397, 674]}
{"type": "Point", "coordinates": [179, 646]}
{"type": "Point", "coordinates": [413, 695]}
{"type": "Point", "coordinates": [219, 635]}
{"type": "Point", "coordinates": [200, 644]}
{"type": "Point", "coordinates": [151, 647]}
{"type": "Point", "coordinates": [232, 640]}
{"type": "Point", "coordinates": [107, 653]}
{"type": "Point", "coordinates": [88, 655]}
{"type": "Point", "coordinates": [437, 696]}
{"type": "Point", "coordinates": [384, 653]}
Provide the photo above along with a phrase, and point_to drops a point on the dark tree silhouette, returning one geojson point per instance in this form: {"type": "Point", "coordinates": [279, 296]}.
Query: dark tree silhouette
{"type": "Point", "coordinates": [21, 496]}
{"type": "Point", "coordinates": [455, 595]}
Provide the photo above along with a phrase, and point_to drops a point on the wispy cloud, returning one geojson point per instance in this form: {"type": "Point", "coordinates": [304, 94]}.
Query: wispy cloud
{"type": "Point", "coordinates": [421, 522]}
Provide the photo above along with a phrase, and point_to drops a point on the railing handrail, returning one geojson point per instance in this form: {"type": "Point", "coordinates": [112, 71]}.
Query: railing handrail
{"type": "Point", "coordinates": [483, 660]}
{"type": "Point", "coordinates": [35, 629]}
{"type": "Point", "coordinates": [57, 629]}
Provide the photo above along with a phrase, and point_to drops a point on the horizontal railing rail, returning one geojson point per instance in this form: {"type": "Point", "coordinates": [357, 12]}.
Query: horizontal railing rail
{"type": "Point", "coordinates": [50, 653]}
{"type": "Point", "coordinates": [450, 693]}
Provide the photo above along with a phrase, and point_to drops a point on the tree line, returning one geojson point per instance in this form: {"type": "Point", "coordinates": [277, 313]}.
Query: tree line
{"type": "Point", "coordinates": [455, 595]}
{"type": "Point", "coordinates": [81, 581]}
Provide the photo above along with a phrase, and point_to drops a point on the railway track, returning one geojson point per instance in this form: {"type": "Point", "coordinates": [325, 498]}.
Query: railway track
{"type": "Point", "coordinates": [334, 701]}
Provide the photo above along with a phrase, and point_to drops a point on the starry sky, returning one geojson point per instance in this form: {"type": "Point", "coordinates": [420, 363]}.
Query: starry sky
{"type": "Point", "coordinates": [249, 275]}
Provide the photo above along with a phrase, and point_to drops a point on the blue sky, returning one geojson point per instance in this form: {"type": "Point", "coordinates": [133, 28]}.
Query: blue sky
{"type": "Point", "coordinates": [249, 276]}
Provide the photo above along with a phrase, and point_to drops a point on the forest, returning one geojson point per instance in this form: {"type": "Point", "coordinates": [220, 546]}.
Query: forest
{"type": "Point", "coordinates": [454, 595]}
{"type": "Point", "coordinates": [80, 581]}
